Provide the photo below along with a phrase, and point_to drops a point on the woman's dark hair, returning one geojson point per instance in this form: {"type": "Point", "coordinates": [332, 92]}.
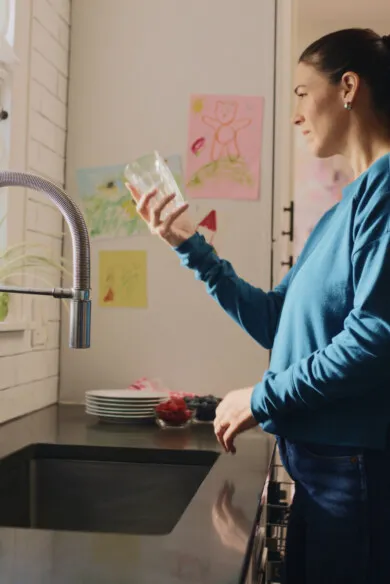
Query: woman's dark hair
{"type": "Point", "coordinates": [359, 50]}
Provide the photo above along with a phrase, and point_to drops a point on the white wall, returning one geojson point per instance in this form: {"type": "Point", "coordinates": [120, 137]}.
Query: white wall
{"type": "Point", "coordinates": [29, 358]}
{"type": "Point", "coordinates": [133, 68]}
{"type": "Point", "coordinates": [315, 20]}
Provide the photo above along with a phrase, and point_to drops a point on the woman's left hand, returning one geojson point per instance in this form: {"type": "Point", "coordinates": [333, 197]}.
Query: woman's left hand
{"type": "Point", "coordinates": [233, 416]}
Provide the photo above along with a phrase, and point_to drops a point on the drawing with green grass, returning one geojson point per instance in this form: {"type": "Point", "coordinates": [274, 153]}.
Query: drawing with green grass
{"type": "Point", "coordinates": [108, 207]}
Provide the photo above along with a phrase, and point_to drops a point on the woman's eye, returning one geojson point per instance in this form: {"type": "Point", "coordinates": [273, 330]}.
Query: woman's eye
{"type": "Point", "coordinates": [301, 94]}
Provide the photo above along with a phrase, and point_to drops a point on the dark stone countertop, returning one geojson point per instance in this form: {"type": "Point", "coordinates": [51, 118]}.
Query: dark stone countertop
{"type": "Point", "coordinates": [208, 544]}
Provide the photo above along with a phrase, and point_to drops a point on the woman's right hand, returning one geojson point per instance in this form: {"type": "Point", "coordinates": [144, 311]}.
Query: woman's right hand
{"type": "Point", "coordinates": [175, 228]}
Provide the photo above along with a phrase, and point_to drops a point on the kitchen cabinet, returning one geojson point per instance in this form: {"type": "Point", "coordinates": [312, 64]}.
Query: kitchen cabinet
{"type": "Point", "coordinates": [266, 558]}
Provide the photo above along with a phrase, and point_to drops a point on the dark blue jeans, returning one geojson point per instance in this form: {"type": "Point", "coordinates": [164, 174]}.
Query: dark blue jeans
{"type": "Point", "coordinates": [339, 525]}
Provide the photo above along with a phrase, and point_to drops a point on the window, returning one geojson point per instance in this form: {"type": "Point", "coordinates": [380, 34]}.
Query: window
{"type": "Point", "coordinates": [7, 62]}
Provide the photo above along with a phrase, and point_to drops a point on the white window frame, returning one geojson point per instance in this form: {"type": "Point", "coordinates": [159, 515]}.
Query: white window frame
{"type": "Point", "coordinates": [14, 97]}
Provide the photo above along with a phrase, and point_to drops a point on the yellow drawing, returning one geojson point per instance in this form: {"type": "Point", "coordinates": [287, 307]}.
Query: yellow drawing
{"type": "Point", "coordinates": [197, 105]}
{"type": "Point", "coordinates": [122, 279]}
{"type": "Point", "coordinates": [226, 129]}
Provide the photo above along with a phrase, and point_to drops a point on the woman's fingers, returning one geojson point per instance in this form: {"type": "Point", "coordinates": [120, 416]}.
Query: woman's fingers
{"type": "Point", "coordinates": [220, 429]}
{"type": "Point", "coordinates": [171, 218]}
{"type": "Point", "coordinates": [133, 191]}
{"type": "Point", "coordinates": [226, 434]}
{"type": "Point", "coordinates": [151, 214]}
{"type": "Point", "coordinates": [155, 212]}
{"type": "Point", "coordinates": [142, 201]}
{"type": "Point", "coordinates": [228, 438]}
{"type": "Point", "coordinates": [225, 427]}
{"type": "Point", "coordinates": [143, 205]}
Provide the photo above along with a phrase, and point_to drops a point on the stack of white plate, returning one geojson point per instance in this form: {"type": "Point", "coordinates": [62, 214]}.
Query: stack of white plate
{"type": "Point", "coordinates": [123, 405]}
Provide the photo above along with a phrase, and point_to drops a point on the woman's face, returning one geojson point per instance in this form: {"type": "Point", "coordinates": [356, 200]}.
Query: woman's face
{"type": "Point", "coordinates": [319, 113]}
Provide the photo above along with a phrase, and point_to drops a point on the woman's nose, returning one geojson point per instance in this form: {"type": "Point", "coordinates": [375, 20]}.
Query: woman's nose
{"type": "Point", "coordinates": [297, 119]}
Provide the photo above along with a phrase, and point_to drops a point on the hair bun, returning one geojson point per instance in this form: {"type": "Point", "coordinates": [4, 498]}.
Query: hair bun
{"type": "Point", "coordinates": [386, 40]}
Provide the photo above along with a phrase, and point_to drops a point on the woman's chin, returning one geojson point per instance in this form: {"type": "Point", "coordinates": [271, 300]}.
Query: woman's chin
{"type": "Point", "coordinates": [320, 150]}
{"type": "Point", "coordinates": [320, 153]}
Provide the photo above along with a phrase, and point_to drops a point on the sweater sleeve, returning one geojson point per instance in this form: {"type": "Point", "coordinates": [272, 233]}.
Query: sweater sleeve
{"type": "Point", "coordinates": [257, 312]}
{"type": "Point", "coordinates": [349, 365]}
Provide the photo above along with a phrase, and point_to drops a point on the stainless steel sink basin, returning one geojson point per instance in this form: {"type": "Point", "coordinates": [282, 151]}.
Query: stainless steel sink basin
{"type": "Point", "coordinates": [99, 489]}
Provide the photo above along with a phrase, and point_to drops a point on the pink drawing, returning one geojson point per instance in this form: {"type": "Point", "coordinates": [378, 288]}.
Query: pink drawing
{"type": "Point", "coordinates": [224, 147]}
{"type": "Point", "coordinates": [226, 128]}
{"type": "Point", "coordinates": [318, 185]}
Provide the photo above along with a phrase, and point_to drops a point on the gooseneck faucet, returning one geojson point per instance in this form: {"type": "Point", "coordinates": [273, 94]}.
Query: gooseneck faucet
{"type": "Point", "coordinates": [79, 294]}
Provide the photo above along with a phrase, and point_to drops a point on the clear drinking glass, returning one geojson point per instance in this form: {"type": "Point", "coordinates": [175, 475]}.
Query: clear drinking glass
{"type": "Point", "coordinates": [151, 172]}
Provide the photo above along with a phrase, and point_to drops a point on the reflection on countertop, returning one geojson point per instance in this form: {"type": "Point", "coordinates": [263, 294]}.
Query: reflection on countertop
{"type": "Point", "coordinates": [229, 520]}
{"type": "Point", "coordinates": [208, 544]}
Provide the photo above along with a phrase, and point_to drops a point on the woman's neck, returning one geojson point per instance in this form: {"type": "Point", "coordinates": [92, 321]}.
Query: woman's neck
{"type": "Point", "coordinates": [365, 146]}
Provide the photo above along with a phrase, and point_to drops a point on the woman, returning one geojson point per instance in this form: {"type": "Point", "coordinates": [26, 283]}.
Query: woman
{"type": "Point", "coordinates": [326, 395]}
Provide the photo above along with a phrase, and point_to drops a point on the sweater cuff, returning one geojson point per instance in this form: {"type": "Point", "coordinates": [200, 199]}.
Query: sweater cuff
{"type": "Point", "coordinates": [258, 413]}
{"type": "Point", "coordinates": [193, 250]}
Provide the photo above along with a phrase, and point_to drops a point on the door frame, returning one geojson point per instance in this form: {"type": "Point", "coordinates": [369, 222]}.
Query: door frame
{"type": "Point", "coordinates": [285, 56]}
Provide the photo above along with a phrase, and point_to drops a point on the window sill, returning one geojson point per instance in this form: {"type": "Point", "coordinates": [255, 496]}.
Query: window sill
{"type": "Point", "coordinates": [13, 326]}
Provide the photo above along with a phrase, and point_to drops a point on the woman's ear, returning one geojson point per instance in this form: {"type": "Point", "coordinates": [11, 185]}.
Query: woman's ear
{"type": "Point", "coordinates": [350, 83]}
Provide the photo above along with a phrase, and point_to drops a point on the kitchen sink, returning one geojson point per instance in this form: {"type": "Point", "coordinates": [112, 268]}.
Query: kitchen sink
{"type": "Point", "coordinates": [99, 489]}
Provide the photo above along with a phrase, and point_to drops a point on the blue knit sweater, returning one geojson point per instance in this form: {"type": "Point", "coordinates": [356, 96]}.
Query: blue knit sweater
{"type": "Point", "coordinates": [327, 322]}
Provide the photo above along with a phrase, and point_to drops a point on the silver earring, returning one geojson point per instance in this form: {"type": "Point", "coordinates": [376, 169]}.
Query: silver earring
{"type": "Point", "coordinates": [348, 106]}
